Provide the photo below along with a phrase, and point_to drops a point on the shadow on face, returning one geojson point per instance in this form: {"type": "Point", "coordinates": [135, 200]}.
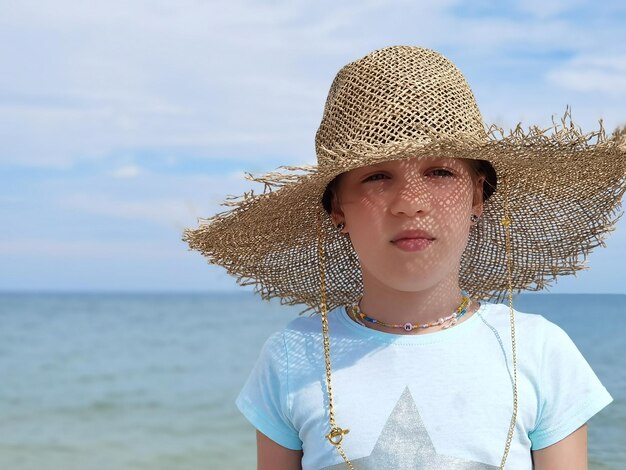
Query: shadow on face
{"type": "Point", "coordinates": [409, 220]}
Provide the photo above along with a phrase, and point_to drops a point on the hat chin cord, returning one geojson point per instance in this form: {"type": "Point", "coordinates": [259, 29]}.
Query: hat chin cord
{"type": "Point", "coordinates": [336, 433]}
{"type": "Point", "coordinates": [506, 223]}
{"type": "Point", "coordinates": [335, 436]}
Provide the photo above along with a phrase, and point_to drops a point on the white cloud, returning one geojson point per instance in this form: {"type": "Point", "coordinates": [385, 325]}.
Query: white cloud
{"type": "Point", "coordinates": [126, 171]}
{"type": "Point", "coordinates": [167, 212]}
{"type": "Point", "coordinates": [171, 201]}
{"type": "Point", "coordinates": [605, 74]}
{"type": "Point", "coordinates": [543, 9]}
{"type": "Point", "coordinates": [234, 74]}
{"type": "Point", "coordinates": [88, 249]}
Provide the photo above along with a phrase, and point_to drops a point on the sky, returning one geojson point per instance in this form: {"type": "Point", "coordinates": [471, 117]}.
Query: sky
{"type": "Point", "coordinates": [122, 122]}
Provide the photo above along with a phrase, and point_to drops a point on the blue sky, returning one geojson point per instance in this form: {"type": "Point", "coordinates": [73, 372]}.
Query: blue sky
{"type": "Point", "coordinates": [122, 122]}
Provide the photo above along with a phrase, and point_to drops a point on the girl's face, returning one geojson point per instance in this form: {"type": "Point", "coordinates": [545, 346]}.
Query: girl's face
{"type": "Point", "coordinates": [409, 220]}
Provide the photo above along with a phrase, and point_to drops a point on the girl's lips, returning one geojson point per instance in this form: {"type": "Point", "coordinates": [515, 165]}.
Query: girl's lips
{"type": "Point", "coordinates": [412, 244]}
{"type": "Point", "coordinates": [412, 240]}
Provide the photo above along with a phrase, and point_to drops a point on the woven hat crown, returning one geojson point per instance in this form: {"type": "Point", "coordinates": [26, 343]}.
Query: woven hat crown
{"type": "Point", "coordinates": [393, 95]}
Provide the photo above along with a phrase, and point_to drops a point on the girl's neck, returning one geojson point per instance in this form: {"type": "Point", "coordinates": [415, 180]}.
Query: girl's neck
{"type": "Point", "coordinates": [398, 307]}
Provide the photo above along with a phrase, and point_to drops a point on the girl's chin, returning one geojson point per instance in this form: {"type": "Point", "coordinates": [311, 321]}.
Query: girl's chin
{"type": "Point", "coordinates": [399, 281]}
{"type": "Point", "coordinates": [409, 277]}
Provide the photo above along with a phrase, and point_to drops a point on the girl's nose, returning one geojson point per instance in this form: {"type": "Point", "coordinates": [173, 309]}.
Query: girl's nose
{"type": "Point", "coordinates": [410, 198]}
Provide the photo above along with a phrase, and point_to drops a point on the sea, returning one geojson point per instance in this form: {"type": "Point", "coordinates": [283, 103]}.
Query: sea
{"type": "Point", "coordinates": [92, 381]}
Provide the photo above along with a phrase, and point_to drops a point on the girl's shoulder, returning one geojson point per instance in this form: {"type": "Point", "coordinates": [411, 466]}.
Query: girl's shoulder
{"type": "Point", "coordinates": [499, 313]}
{"type": "Point", "coordinates": [533, 331]}
{"type": "Point", "coordinates": [305, 331]}
{"type": "Point", "coordinates": [295, 332]}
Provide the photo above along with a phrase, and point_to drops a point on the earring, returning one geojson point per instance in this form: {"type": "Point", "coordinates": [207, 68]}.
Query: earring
{"type": "Point", "coordinates": [474, 218]}
{"type": "Point", "coordinates": [340, 226]}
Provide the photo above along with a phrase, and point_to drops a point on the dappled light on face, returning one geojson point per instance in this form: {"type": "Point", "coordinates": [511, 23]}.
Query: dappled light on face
{"type": "Point", "coordinates": [408, 222]}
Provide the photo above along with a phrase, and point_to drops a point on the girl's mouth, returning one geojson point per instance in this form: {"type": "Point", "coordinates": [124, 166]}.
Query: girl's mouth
{"type": "Point", "coordinates": [413, 240]}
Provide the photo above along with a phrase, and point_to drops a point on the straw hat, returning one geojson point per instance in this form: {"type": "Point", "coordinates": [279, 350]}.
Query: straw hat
{"type": "Point", "coordinates": [563, 187]}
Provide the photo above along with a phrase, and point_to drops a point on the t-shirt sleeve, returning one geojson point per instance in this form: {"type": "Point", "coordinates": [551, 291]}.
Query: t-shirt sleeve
{"type": "Point", "coordinates": [264, 398]}
{"type": "Point", "coordinates": [569, 391]}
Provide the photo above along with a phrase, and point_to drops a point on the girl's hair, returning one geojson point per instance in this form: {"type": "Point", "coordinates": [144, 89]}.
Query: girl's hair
{"type": "Point", "coordinates": [477, 167]}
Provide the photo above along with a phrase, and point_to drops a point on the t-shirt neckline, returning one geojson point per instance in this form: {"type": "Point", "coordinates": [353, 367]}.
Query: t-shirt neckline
{"type": "Point", "coordinates": [427, 338]}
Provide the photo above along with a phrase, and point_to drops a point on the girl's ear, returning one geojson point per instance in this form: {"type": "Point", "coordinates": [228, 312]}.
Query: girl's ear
{"type": "Point", "coordinates": [336, 215]}
{"type": "Point", "coordinates": [477, 201]}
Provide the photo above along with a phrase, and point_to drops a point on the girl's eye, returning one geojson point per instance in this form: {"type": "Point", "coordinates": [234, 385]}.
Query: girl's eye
{"type": "Point", "coordinates": [375, 177]}
{"type": "Point", "coordinates": [441, 172]}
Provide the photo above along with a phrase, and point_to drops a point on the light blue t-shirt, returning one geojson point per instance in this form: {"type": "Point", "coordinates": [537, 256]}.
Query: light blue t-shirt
{"type": "Point", "coordinates": [428, 401]}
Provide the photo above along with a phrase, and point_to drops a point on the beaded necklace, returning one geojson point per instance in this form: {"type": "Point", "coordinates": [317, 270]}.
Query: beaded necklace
{"type": "Point", "coordinates": [445, 323]}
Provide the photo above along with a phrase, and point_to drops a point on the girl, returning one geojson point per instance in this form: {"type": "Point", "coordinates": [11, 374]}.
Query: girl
{"type": "Point", "coordinates": [415, 216]}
